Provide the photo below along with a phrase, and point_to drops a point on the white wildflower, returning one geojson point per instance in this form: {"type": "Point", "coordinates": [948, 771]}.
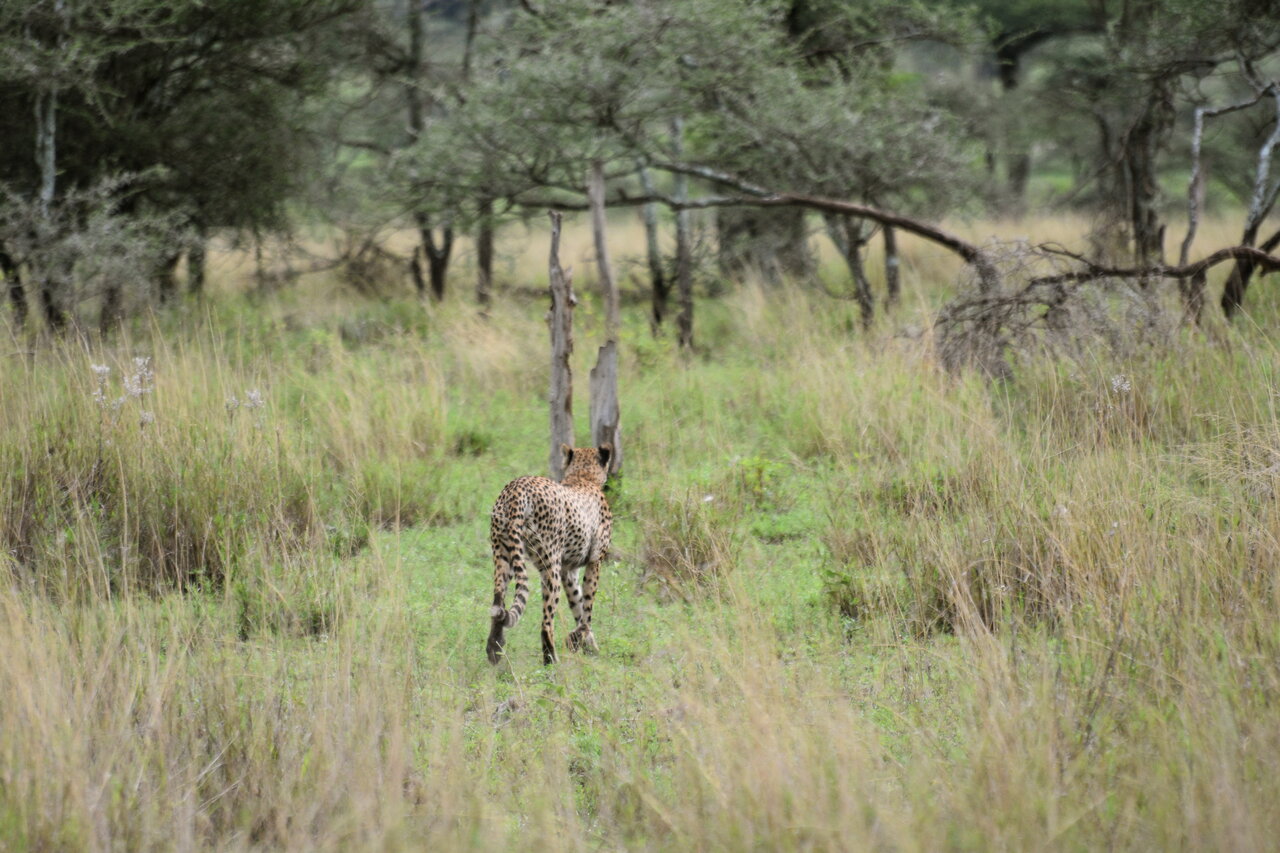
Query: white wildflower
{"type": "Point", "coordinates": [706, 499]}
{"type": "Point", "coordinates": [145, 418]}
{"type": "Point", "coordinates": [253, 399]}
{"type": "Point", "coordinates": [233, 403]}
{"type": "Point", "coordinates": [1120, 384]}
{"type": "Point", "coordinates": [102, 371]}
{"type": "Point", "coordinates": [139, 382]}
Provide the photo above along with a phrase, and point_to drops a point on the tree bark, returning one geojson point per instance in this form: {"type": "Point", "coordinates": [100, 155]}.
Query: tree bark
{"type": "Point", "coordinates": [109, 314]}
{"type": "Point", "coordinates": [1261, 201]}
{"type": "Point", "coordinates": [437, 255]}
{"type": "Point", "coordinates": [659, 286]}
{"type": "Point", "coordinates": [892, 266]}
{"type": "Point", "coordinates": [13, 284]}
{"type": "Point", "coordinates": [684, 279]}
{"type": "Point", "coordinates": [608, 286]}
{"type": "Point", "coordinates": [605, 413]}
{"type": "Point", "coordinates": [196, 262]}
{"type": "Point", "coordinates": [54, 315]}
{"type": "Point", "coordinates": [684, 245]}
{"type": "Point", "coordinates": [166, 278]}
{"type": "Point", "coordinates": [484, 256]}
{"type": "Point", "coordinates": [560, 320]}
{"type": "Point", "coordinates": [605, 409]}
{"type": "Point", "coordinates": [847, 235]}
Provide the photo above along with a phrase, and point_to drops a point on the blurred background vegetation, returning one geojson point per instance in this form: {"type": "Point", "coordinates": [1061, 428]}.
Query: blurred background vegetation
{"type": "Point", "coordinates": [138, 133]}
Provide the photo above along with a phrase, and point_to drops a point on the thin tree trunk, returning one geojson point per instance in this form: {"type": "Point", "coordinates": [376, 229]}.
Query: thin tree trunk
{"type": "Point", "coordinates": [892, 266]}
{"type": "Point", "coordinates": [196, 261]}
{"type": "Point", "coordinates": [684, 278]}
{"type": "Point", "coordinates": [1261, 201]}
{"type": "Point", "coordinates": [605, 411]}
{"type": "Point", "coordinates": [684, 245]}
{"type": "Point", "coordinates": [166, 278]}
{"type": "Point", "coordinates": [560, 320]}
{"type": "Point", "coordinates": [1008, 58]}
{"type": "Point", "coordinates": [109, 315]}
{"type": "Point", "coordinates": [13, 284]}
{"type": "Point", "coordinates": [608, 286]}
{"type": "Point", "coordinates": [847, 235]}
{"type": "Point", "coordinates": [660, 287]}
{"type": "Point", "coordinates": [484, 256]}
{"type": "Point", "coordinates": [54, 315]}
{"type": "Point", "coordinates": [46, 115]}
{"type": "Point", "coordinates": [46, 109]}
{"type": "Point", "coordinates": [438, 264]}
{"type": "Point", "coordinates": [437, 255]}
{"type": "Point", "coordinates": [415, 270]}
{"type": "Point", "coordinates": [1140, 149]}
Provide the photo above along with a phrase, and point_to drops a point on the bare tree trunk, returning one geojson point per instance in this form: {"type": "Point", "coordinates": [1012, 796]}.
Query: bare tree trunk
{"type": "Point", "coordinates": [54, 315]}
{"type": "Point", "coordinates": [847, 235]}
{"type": "Point", "coordinates": [196, 261]}
{"type": "Point", "coordinates": [560, 319]}
{"type": "Point", "coordinates": [684, 245]}
{"type": "Point", "coordinates": [660, 287]}
{"type": "Point", "coordinates": [892, 266]}
{"type": "Point", "coordinates": [437, 254]}
{"type": "Point", "coordinates": [484, 254]}
{"type": "Point", "coordinates": [13, 284]}
{"type": "Point", "coordinates": [1140, 148]}
{"type": "Point", "coordinates": [684, 278]}
{"type": "Point", "coordinates": [605, 412]}
{"type": "Point", "coordinates": [110, 313]}
{"type": "Point", "coordinates": [605, 409]}
{"type": "Point", "coordinates": [46, 107]}
{"type": "Point", "coordinates": [1261, 202]}
{"type": "Point", "coordinates": [608, 286]}
{"type": "Point", "coordinates": [166, 277]}
{"type": "Point", "coordinates": [46, 115]}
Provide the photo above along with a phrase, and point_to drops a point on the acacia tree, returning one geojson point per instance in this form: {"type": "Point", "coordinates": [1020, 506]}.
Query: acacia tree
{"type": "Point", "coordinates": [1133, 79]}
{"type": "Point", "coordinates": [585, 82]}
{"type": "Point", "coordinates": [193, 111]}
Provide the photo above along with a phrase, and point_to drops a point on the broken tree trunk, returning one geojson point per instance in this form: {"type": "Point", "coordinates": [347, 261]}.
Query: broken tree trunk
{"type": "Point", "coordinates": [560, 319]}
{"type": "Point", "coordinates": [605, 413]}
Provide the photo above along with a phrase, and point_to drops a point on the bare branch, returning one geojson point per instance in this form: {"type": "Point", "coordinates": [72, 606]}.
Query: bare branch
{"type": "Point", "coordinates": [1265, 262]}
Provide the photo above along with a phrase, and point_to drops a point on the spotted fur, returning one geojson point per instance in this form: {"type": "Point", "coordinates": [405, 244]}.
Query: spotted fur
{"type": "Point", "coordinates": [561, 528]}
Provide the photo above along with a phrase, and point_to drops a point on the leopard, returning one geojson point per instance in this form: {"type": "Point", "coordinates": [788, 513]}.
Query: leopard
{"type": "Point", "coordinates": [561, 528]}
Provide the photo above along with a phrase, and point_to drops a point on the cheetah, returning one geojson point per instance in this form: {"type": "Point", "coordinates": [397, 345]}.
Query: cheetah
{"type": "Point", "coordinates": [560, 528]}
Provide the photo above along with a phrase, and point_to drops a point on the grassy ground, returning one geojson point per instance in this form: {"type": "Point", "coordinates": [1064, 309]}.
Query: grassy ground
{"type": "Point", "coordinates": [856, 601]}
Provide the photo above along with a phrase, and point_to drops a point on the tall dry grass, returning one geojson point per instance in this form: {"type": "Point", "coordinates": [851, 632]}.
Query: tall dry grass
{"type": "Point", "coordinates": [897, 608]}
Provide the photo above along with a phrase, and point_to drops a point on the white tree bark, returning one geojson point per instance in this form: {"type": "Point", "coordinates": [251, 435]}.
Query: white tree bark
{"type": "Point", "coordinates": [605, 411]}
{"type": "Point", "coordinates": [608, 286]}
{"type": "Point", "coordinates": [560, 319]}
